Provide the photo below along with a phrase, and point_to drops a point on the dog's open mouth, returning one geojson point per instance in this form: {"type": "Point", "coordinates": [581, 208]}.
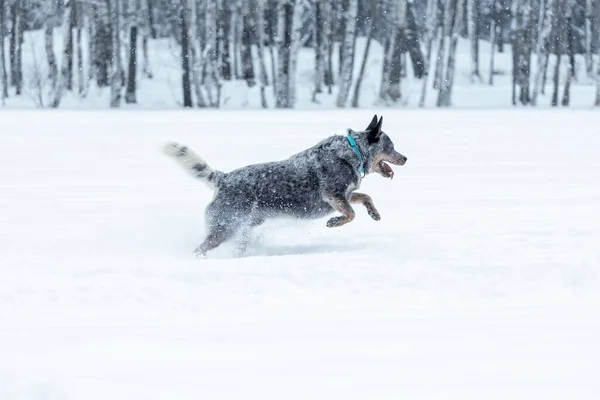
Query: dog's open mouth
{"type": "Point", "coordinates": [385, 170]}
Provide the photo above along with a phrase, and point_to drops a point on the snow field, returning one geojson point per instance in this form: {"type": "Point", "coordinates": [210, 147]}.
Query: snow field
{"type": "Point", "coordinates": [480, 281]}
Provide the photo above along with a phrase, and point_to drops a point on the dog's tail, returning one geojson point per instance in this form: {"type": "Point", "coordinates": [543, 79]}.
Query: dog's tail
{"type": "Point", "coordinates": [194, 164]}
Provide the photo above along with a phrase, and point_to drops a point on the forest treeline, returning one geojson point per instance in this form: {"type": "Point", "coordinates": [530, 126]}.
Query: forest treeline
{"type": "Point", "coordinates": [106, 43]}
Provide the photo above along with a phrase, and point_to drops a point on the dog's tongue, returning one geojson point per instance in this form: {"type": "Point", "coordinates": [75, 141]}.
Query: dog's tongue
{"type": "Point", "coordinates": [386, 170]}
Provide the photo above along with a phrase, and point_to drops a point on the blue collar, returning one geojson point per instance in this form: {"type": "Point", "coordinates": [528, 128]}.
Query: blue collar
{"type": "Point", "coordinates": [354, 146]}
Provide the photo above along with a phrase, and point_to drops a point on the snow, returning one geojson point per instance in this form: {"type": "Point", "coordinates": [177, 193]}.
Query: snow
{"type": "Point", "coordinates": [480, 281]}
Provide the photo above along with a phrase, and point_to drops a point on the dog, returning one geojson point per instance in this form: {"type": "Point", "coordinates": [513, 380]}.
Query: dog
{"type": "Point", "coordinates": [311, 184]}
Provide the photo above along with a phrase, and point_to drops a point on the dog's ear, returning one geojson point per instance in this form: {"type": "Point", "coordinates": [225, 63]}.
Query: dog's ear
{"type": "Point", "coordinates": [372, 124]}
{"type": "Point", "coordinates": [375, 133]}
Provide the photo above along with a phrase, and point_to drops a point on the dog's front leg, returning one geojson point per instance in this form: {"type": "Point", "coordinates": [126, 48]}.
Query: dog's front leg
{"type": "Point", "coordinates": [341, 205]}
{"type": "Point", "coordinates": [366, 201]}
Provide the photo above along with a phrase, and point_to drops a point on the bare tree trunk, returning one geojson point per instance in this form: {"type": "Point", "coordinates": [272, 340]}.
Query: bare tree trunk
{"type": "Point", "coordinates": [411, 38]}
{"type": "Point", "coordinates": [3, 77]}
{"type": "Point", "coordinates": [237, 32]}
{"type": "Point", "coordinates": [328, 80]}
{"type": "Point", "coordinates": [473, 29]}
{"type": "Point", "coordinates": [447, 15]}
{"type": "Point", "coordinates": [558, 39]}
{"type": "Point", "coordinates": [197, 44]}
{"type": "Point", "coordinates": [49, 46]}
{"type": "Point", "coordinates": [62, 82]}
{"type": "Point", "coordinates": [116, 65]}
{"type": "Point", "coordinates": [285, 17]}
{"type": "Point", "coordinates": [493, 29]}
{"type": "Point", "coordinates": [258, 6]}
{"type": "Point", "coordinates": [185, 59]}
{"type": "Point", "coordinates": [80, 77]}
{"type": "Point", "coordinates": [430, 27]}
{"type": "Point", "coordinates": [568, 11]}
{"type": "Point", "coordinates": [224, 30]}
{"type": "Point", "coordinates": [91, 68]}
{"type": "Point", "coordinates": [598, 83]}
{"type": "Point", "coordinates": [212, 47]}
{"type": "Point", "coordinates": [16, 47]}
{"type": "Point", "coordinates": [151, 25]}
{"type": "Point", "coordinates": [543, 50]}
{"type": "Point", "coordinates": [320, 49]}
{"type": "Point", "coordinates": [445, 93]}
{"type": "Point", "coordinates": [521, 49]}
{"type": "Point", "coordinates": [70, 54]}
{"type": "Point", "coordinates": [589, 56]}
{"type": "Point", "coordinates": [130, 93]}
{"type": "Point", "coordinates": [248, 32]}
{"type": "Point", "coordinates": [348, 61]}
{"type": "Point", "coordinates": [363, 64]}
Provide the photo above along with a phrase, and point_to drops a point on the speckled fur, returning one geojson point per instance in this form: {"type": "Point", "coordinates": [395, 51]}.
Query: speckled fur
{"type": "Point", "coordinates": [310, 184]}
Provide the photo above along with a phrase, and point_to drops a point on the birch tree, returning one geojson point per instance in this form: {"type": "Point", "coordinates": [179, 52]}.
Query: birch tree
{"type": "Point", "coordinates": [558, 41]}
{"type": "Point", "coordinates": [363, 64]}
{"type": "Point", "coordinates": [288, 21]}
{"type": "Point", "coordinates": [522, 42]}
{"type": "Point", "coordinates": [568, 47]}
{"type": "Point", "coordinates": [16, 46]}
{"type": "Point", "coordinates": [247, 40]}
{"type": "Point", "coordinates": [347, 67]}
{"type": "Point", "coordinates": [493, 35]}
{"type": "Point", "coordinates": [589, 56]}
{"type": "Point", "coordinates": [429, 35]}
{"type": "Point", "coordinates": [130, 92]}
{"type": "Point", "coordinates": [258, 7]}
{"type": "Point", "coordinates": [3, 74]}
{"type": "Point", "coordinates": [63, 81]}
{"type": "Point", "coordinates": [116, 63]}
{"type": "Point", "coordinates": [185, 58]}
{"type": "Point", "coordinates": [446, 86]}
{"type": "Point", "coordinates": [473, 13]}
{"type": "Point", "coordinates": [214, 36]}
{"type": "Point", "coordinates": [320, 46]}
{"type": "Point", "coordinates": [543, 49]}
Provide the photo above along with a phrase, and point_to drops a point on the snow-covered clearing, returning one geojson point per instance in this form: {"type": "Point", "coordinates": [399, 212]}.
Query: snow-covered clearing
{"type": "Point", "coordinates": [481, 281]}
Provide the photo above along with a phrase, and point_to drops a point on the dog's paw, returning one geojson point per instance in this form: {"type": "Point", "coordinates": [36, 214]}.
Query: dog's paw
{"type": "Point", "coordinates": [374, 214]}
{"type": "Point", "coordinates": [174, 149]}
{"type": "Point", "coordinates": [200, 253]}
{"type": "Point", "coordinates": [334, 222]}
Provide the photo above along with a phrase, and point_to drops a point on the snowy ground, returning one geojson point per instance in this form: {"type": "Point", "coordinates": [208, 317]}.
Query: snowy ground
{"type": "Point", "coordinates": [481, 281]}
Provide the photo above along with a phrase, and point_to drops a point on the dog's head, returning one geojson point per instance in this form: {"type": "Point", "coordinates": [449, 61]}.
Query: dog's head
{"type": "Point", "coordinates": [380, 150]}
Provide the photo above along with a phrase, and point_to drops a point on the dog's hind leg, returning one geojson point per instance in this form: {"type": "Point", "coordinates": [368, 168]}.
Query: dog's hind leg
{"type": "Point", "coordinates": [216, 236]}
{"type": "Point", "coordinates": [341, 205]}
{"type": "Point", "coordinates": [366, 201]}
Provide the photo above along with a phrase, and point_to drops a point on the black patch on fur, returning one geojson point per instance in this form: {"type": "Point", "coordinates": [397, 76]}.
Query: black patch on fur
{"type": "Point", "coordinates": [182, 152]}
{"type": "Point", "coordinates": [199, 167]}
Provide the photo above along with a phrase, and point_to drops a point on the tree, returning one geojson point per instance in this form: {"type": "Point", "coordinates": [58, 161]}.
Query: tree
{"type": "Point", "coordinates": [114, 8]}
{"type": "Point", "coordinates": [3, 75]}
{"type": "Point", "coordinates": [63, 81]}
{"type": "Point", "coordinates": [130, 93]}
{"type": "Point", "coordinates": [288, 22]}
{"type": "Point", "coordinates": [521, 49]}
{"type": "Point", "coordinates": [454, 19]}
{"type": "Point", "coordinates": [473, 16]}
{"type": "Point", "coordinates": [543, 49]}
{"type": "Point", "coordinates": [16, 46]}
{"type": "Point", "coordinates": [589, 55]}
{"type": "Point", "coordinates": [363, 64]}
{"type": "Point", "coordinates": [248, 34]}
{"type": "Point", "coordinates": [345, 82]}
{"type": "Point", "coordinates": [185, 58]}
{"type": "Point", "coordinates": [430, 30]}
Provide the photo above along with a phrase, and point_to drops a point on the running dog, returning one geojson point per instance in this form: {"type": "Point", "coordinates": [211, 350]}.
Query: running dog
{"type": "Point", "coordinates": [310, 184]}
